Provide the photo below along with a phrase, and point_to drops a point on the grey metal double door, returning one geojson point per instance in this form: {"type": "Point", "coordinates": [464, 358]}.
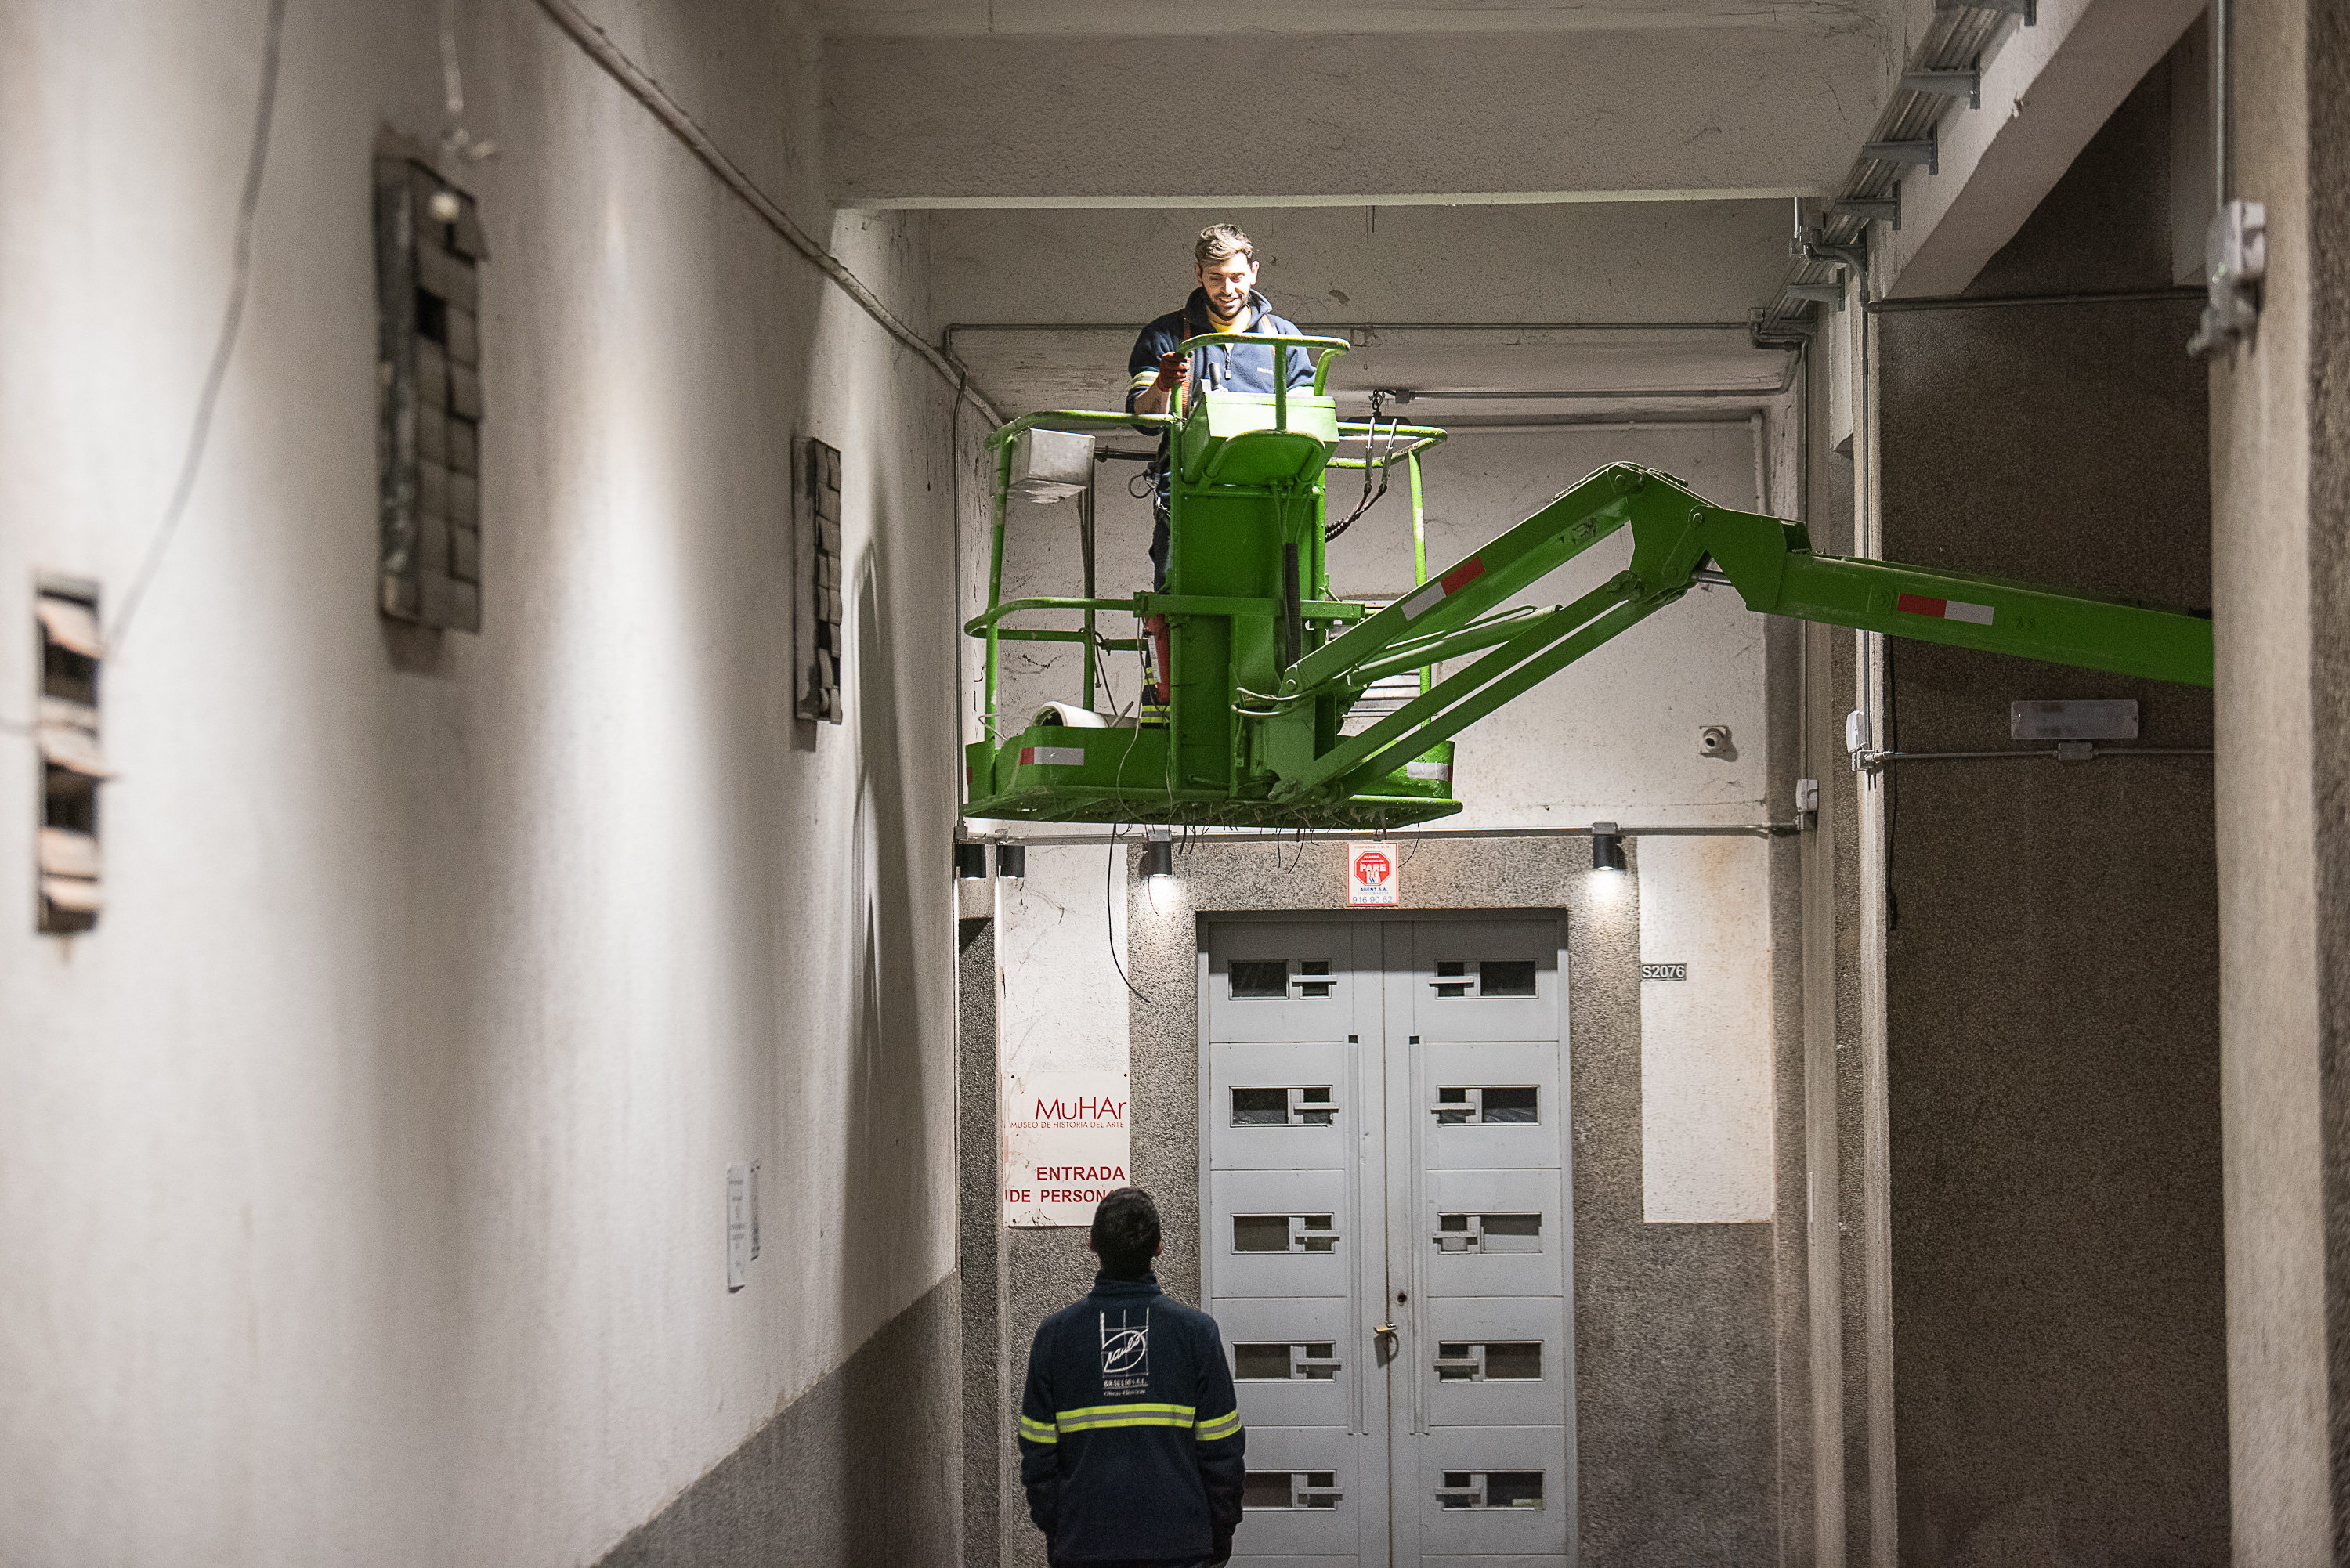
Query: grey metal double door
{"type": "Point", "coordinates": [1385, 1237]}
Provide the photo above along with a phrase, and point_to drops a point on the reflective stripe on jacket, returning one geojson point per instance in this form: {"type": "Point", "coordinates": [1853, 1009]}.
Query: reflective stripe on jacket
{"type": "Point", "coordinates": [1130, 1439]}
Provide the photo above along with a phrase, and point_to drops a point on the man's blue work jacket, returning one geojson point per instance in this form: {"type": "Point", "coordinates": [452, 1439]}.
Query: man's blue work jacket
{"type": "Point", "coordinates": [1225, 367]}
{"type": "Point", "coordinates": [1130, 1439]}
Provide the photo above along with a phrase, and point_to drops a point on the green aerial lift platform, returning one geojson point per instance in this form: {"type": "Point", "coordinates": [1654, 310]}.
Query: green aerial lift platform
{"type": "Point", "coordinates": [1266, 665]}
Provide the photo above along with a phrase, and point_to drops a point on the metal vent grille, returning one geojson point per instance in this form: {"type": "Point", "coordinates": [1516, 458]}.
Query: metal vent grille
{"type": "Point", "coordinates": [429, 250]}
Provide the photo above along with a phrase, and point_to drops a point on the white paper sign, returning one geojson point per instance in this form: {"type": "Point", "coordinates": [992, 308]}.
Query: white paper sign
{"type": "Point", "coordinates": [1370, 874]}
{"type": "Point", "coordinates": [1066, 1142]}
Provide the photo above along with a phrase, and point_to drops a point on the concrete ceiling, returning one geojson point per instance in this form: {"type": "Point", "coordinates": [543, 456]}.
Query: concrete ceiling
{"type": "Point", "coordinates": [1101, 134]}
{"type": "Point", "coordinates": [1274, 119]}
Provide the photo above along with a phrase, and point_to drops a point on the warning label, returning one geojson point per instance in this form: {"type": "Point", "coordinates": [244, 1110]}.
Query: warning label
{"type": "Point", "coordinates": [1370, 874]}
{"type": "Point", "coordinates": [1064, 1145]}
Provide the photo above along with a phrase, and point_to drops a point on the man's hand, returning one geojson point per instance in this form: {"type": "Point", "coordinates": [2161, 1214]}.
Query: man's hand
{"type": "Point", "coordinates": [1173, 370]}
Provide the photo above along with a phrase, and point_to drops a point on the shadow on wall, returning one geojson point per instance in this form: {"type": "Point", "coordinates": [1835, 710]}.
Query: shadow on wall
{"type": "Point", "coordinates": [865, 1467]}
{"type": "Point", "coordinates": [887, 1160]}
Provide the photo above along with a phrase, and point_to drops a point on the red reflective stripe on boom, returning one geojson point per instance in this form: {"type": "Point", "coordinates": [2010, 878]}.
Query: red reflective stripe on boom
{"type": "Point", "coordinates": [1461, 576]}
{"type": "Point", "coordinates": [1944, 609]}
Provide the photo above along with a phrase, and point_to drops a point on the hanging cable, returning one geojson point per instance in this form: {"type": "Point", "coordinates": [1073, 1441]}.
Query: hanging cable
{"type": "Point", "coordinates": [1110, 921]}
{"type": "Point", "coordinates": [1371, 462]}
{"type": "Point", "coordinates": [240, 280]}
{"type": "Point", "coordinates": [457, 140]}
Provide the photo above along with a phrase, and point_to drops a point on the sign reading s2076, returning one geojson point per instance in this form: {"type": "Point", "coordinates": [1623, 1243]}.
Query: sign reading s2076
{"type": "Point", "coordinates": [1664, 971]}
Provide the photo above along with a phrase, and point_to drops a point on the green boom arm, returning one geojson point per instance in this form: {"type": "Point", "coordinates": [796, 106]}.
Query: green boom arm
{"type": "Point", "coordinates": [1679, 539]}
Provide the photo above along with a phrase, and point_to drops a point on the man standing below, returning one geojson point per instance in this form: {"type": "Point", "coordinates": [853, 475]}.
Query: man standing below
{"type": "Point", "coordinates": [1130, 1439]}
{"type": "Point", "coordinates": [1157, 376]}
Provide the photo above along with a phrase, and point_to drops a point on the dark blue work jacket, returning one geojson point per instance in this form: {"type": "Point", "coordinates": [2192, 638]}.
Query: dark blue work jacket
{"type": "Point", "coordinates": [1225, 367]}
{"type": "Point", "coordinates": [1130, 1439]}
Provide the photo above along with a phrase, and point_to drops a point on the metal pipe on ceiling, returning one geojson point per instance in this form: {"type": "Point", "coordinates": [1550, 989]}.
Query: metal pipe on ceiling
{"type": "Point", "coordinates": [1542, 426]}
{"type": "Point", "coordinates": [1786, 381]}
{"type": "Point", "coordinates": [1963, 302]}
{"type": "Point", "coordinates": [1365, 328]}
{"type": "Point", "coordinates": [1596, 394]}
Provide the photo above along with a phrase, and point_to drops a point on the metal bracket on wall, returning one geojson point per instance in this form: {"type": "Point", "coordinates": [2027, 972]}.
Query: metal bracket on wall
{"type": "Point", "coordinates": [2027, 9]}
{"type": "Point", "coordinates": [1870, 209]}
{"type": "Point", "coordinates": [1964, 82]}
{"type": "Point", "coordinates": [1945, 63]}
{"type": "Point", "coordinates": [1926, 152]}
{"type": "Point", "coordinates": [2235, 252]}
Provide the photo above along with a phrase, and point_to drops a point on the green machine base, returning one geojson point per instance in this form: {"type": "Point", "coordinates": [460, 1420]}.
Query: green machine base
{"type": "Point", "coordinates": [1060, 774]}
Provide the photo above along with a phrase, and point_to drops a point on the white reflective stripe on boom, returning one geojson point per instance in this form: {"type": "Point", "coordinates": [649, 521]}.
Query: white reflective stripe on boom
{"type": "Point", "coordinates": [1943, 610]}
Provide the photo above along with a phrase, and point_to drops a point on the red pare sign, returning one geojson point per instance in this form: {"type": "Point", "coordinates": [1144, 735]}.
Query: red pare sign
{"type": "Point", "coordinates": [1370, 874]}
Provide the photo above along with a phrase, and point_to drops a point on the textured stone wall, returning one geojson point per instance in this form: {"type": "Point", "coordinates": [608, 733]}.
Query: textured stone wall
{"type": "Point", "coordinates": [2052, 953]}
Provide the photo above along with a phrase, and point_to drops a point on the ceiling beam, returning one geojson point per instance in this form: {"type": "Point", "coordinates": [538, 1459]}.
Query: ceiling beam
{"type": "Point", "coordinates": [1273, 120]}
{"type": "Point", "coordinates": [2048, 89]}
{"type": "Point", "coordinates": [1011, 202]}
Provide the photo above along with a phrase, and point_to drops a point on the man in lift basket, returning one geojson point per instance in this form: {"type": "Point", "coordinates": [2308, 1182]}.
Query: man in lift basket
{"type": "Point", "coordinates": [1157, 377]}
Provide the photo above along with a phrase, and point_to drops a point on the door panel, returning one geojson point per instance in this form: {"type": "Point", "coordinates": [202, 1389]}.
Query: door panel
{"type": "Point", "coordinates": [1303, 1496]}
{"type": "Point", "coordinates": [1493, 1233]}
{"type": "Point", "coordinates": [1283, 982]}
{"type": "Point", "coordinates": [1282, 1106]}
{"type": "Point", "coordinates": [1295, 1360]}
{"type": "Point", "coordinates": [1283, 1232]}
{"type": "Point", "coordinates": [1486, 980]}
{"type": "Point", "coordinates": [1494, 1492]}
{"type": "Point", "coordinates": [1493, 1363]}
{"type": "Point", "coordinates": [1491, 1105]}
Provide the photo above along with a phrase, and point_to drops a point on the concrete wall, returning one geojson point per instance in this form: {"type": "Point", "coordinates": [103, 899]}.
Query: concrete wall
{"type": "Point", "coordinates": [361, 1175]}
{"type": "Point", "coordinates": [2278, 453]}
{"type": "Point", "coordinates": [2051, 973]}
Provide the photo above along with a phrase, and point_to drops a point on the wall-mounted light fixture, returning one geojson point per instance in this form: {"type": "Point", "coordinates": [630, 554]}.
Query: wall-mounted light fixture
{"type": "Point", "coordinates": [1607, 847]}
{"type": "Point", "coordinates": [1158, 853]}
{"type": "Point", "coordinates": [971, 861]}
{"type": "Point", "coordinates": [1011, 860]}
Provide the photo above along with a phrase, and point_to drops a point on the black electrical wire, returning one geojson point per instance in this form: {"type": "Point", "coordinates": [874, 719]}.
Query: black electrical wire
{"type": "Point", "coordinates": [239, 282]}
{"type": "Point", "coordinates": [1109, 922]}
{"type": "Point", "coordinates": [1380, 463]}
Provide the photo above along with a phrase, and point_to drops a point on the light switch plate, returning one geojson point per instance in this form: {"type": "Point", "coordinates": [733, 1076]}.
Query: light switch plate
{"type": "Point", "coordinates": [738, 1224]}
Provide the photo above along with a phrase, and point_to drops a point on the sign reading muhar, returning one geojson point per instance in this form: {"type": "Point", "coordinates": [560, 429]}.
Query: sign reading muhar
{"type": "Point", "coordinates": [1064, 1145]}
